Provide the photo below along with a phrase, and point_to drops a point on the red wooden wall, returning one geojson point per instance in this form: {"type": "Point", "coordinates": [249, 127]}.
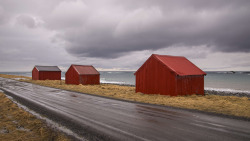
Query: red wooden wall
{"type": "Point", "coordinates": [187, 85]}
{"type": "Point", "coordinates": [49, 75]}
{"type": "Point", "coordinates": [156, 78]}
{"type": "Point", "coordinates": [71, 76]}
{"type": "Point", "coordinates": [45, 75]}
{"type": "Point", "coordinates": [90, 79]}
{"type": "Point", "coordinates": [35, 74]}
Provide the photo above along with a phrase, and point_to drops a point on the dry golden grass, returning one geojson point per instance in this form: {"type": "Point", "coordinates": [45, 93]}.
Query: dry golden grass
{"type": "Point", "coordinates": [14, 76]}
{"type": "Point", "coordinates": [19, 125]}
{"type": "Point", "coordinates": [228, 105]}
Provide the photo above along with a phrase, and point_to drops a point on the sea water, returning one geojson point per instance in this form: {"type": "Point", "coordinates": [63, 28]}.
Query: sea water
{"type": "Point", "coordinates": [213, 80]}
{"type": "Point", "coordinates": [217, 81]}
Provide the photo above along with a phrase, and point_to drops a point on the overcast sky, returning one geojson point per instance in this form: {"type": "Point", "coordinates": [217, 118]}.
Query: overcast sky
{"type": "Point", "coordinates": [122, 34]}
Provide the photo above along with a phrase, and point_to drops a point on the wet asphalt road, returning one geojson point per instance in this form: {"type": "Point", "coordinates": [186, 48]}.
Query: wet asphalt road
{"type": "Point", "coordinates": [98, 118]}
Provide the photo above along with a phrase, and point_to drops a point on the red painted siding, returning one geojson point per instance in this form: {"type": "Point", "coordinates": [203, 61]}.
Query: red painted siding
{"type": "Point", "coordinates": [35, 74]}
{"type": "Point", "coordinates": [90, 79]}
{"type": "Point", "coordinates": [45, 75]}
{"type": "Point", "coordinates": [71, 76]}
{"type": "Point", "coordinates": [49, 75]}
{"type": "Point", "coordinates": [187, 85]}
{"type": "Point", "coordinates": [156, 78]}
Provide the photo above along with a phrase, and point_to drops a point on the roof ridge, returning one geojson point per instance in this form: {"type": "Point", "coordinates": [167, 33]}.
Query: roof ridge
{"type": "Point", "coordinates": [44, 66]}
{"type": "Point", "coordinates": [169, 56]}
{"type": "Point", "coordinates": [164, 63]}
{"type": "Point", "coordinates": [80, 65]}
{"type": "Point", "coordinates": [171, 62]}
{"type": "Point", "coordinates": [79, 68]}
{"type": "Point", "coordinates": [47, 68]}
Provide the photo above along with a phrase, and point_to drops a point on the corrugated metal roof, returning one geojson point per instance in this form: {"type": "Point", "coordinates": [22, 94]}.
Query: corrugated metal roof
{"type": "Point", "coordinates": [180, 65]}
{"type": "Point", "coordinates": [47, 68]}
{"type": "Point", "coordinates": [85, 69]}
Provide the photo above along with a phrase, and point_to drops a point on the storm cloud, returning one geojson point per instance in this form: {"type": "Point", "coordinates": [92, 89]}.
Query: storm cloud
{"type": "Point", "coordinates": [111, 29]}
{"type": "Point", "coordinates": [108, 32]}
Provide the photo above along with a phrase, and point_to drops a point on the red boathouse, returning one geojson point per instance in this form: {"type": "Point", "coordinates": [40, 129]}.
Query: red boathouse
{"type": "Point", "coordinates": [82, 74]}
{"type": "Point", "coordinates": [169, 75]}
{"type": "Point", "coordinates": [46, 72]}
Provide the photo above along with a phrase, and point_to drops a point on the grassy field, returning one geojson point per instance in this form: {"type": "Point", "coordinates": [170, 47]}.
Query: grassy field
{"type": "Point", "coordinates": [228, 105]}
{"type": "Point", "coordinates": [19, 125]}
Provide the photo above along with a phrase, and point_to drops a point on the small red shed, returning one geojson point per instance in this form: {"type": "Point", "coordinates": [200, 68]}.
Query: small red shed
{"type": "Point", "coordinates": [169, 75]}
{"type": "Point", "coordinates": [82, 74]}
{"type": "Point", "coordinates": [46, 72]}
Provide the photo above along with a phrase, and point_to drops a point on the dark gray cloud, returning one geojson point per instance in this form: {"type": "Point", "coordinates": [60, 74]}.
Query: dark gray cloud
{"type": "Point", "coordinates": [86, 31]}
{"type": "Point", "coordinates": [111, 29]}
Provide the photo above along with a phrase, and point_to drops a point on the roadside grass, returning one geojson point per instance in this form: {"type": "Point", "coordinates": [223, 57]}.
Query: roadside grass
{"type": "Point", "coordinates": [228, 105]}
{"type": "Point", "coordinates": [14, 76]}
{"type": "Point", "coordinates": [17, 124]}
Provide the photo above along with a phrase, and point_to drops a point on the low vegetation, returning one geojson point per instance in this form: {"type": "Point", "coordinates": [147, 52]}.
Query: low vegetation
{"type": "Point", "coordinates": [228, 105]}
{"type": "Point", "coordinates": [19, 125]}
{"type": "Point", "coordinates": [14, 76]}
